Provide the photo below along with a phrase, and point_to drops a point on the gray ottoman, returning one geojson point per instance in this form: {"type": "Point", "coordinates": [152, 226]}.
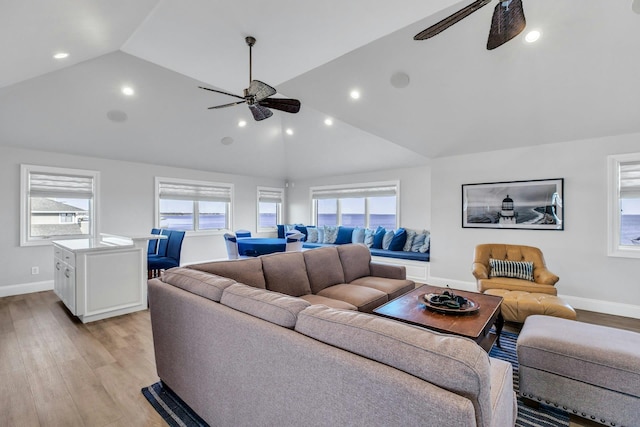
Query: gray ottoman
{"type": "Point", "coordinates": [591, 371]}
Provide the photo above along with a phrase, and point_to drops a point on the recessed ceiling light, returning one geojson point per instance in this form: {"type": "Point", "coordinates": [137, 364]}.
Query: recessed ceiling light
{"type": "Point", "coordinates": [227, 140]}
{"type": "Point", "coordinates": [242, 123]}
{"type": "Point", "coordinates": [355, 94]}
{"type": "Point", "coordinates": [399, 80]}
{"type": "Point", "coordinates": [289, 131]}
{"type": "Point", "coordinates": [328, 121]}
{"type": "Point", "coordinates": [61, 55]}
{"type": "Point", "coordinates": [127, 90]}
{"type": "Point", "coordinates": [532, 36]}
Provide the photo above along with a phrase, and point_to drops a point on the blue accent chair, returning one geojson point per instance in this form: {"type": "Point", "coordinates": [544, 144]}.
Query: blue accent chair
{"type": "Point", "coordinates": [167, 254]}
{"type": "Point", "coordinates": [243, 233]}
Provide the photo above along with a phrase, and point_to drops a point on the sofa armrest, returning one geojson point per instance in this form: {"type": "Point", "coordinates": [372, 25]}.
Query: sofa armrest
{"type": "Point", "coordinates": [388, 271]}
{"type": "Point", "coordinates": [545, 277]}
{"type": "Point", "coordinates": [480, 271]}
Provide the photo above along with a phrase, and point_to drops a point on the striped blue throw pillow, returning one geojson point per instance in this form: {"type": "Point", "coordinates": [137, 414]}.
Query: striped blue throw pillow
{"type": "Point", "coordinates": [515, 269]}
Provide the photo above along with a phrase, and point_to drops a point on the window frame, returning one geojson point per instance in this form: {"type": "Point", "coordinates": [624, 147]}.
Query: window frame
{"type": "Point", "coordinates": [615, 249]}
{"type": "Point", "coordinates": [25, 205]}
{"type": "Point", "coordinates": [354, 191]}
{"type": "Point", "coordinates": [279, 208]}
{"type": "Point", "coordinates": [196, 213]}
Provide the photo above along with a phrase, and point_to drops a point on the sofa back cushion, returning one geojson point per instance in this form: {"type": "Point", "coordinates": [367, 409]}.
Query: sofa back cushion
{"type": "Point", "coordinates": [247, 271]}
{"type": "Point", "coordinates": [285, 272]}
{"type": "Point", "coordinates": [355, 259]}
{"type": "Point", "coordinates": [453, 363]}
{"type": "Point", "coordinates": [324, 268]}
{"type": "Point", "coordinates": [206, 285]}
{"type": "Point", "coordinates": [270, 306]}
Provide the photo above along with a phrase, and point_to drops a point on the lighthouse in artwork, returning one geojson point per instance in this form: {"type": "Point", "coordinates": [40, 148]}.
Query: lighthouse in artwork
{"type": "Point", "coordinates": [507, 214]}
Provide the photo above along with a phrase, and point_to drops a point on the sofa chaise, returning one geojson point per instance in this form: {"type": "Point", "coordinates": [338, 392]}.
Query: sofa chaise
{"type": "Point", "coordinates": [240, 355]}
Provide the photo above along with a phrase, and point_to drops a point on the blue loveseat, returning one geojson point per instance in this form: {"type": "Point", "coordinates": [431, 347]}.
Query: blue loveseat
{"type": "Point", "coordinates": [398, 243]}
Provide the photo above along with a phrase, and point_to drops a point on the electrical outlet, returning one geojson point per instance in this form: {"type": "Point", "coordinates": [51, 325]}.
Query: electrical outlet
{"type": "Point", "coordinates": [35, 270]}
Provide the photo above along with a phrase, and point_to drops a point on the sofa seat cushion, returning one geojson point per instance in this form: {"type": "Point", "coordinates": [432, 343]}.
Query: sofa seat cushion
{"type": "Point", "coordinates": [270, 306]}
{"type": "Point", "coordinates": [323, 268]}
{"type": "Point", "coordinates": [206, 285]}
{"type": "Point", "coordinates": [592, 354]}
{"type": "Point", "coordinates": [365, 299]}
{"type": "Point", "coordinates": [392, 287]}
{"type": "Point", "coordinates": [329, 302]}
{"type": "Point", "coordinates": [355, 259]}
{"type": "Point", "coordinates": [453, 363]}
{"type": "Point", "coordinates": [286, 272]}
{"type": "Point", "coordinates": [247, 271]}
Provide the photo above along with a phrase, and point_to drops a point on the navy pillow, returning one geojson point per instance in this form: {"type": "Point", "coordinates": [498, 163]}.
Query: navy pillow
{"type": "Point", "coordinates": [345, 235]}
{"type": "Point", "coordinates": [378, 237]}
{"type": "Point", "coordinates": [280, 231]}
{"type": "Point", "coordinates": [301, 228]}
{"type": "Point", "coordinates": [399, 239]}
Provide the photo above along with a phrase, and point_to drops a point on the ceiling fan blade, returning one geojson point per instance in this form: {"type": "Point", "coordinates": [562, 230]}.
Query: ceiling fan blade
{"type": "Point", "coordinates": [260, 90]}
{"type": "Point", "coordinates": [450, 20]}
{"type": "Point", "coordinates": [259, 112]}
{"type": "Point", "coordinates": [226, 105]}
{"type": "Point", "coordinates": [219, 91]}
{"type": "Point", "coordinates": [507, 22]}
{"type": "Point", "coordinates": [282, 104]}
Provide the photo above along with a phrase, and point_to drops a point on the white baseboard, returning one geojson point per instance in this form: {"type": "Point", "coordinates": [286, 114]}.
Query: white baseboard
{"type": "Point", "coordinates": [26, 288]}
{"type": "Point", "coordinates": [588, 304]}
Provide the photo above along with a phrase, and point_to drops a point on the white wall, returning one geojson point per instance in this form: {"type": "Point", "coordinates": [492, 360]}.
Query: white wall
{"type": "Point", "coordinates": [126, 208]}
{"type": "Point", "coordinates": [415, 188]}
{"type": "Point", "coordinates": [588, 277]}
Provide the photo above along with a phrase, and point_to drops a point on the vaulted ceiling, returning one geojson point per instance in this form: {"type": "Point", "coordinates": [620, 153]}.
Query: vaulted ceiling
{"type": "Point", "coordinates": [577, 81]}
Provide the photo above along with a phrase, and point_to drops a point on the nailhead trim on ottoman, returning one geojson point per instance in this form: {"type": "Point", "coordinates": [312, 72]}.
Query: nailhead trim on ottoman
{"type": "Point", "coordinates": [518, 305]}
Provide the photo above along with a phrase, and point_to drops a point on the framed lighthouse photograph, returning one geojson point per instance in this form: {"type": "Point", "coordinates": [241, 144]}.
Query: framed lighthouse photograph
{"type": "Point", "coordinates": [532, 205]}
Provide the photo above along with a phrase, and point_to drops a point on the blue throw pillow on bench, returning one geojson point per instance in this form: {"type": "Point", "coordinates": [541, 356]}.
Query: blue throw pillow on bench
{"type": "Point", "coordinates": [345, 235]}
{"type": "Point", "coordinates": [280, 231]}
{"type": "Point", "coordinates": [378, 237]}
{"type": "Point", "coordinates": [399, 239]}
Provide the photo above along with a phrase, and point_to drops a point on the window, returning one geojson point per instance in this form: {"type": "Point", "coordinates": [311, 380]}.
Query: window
{"type": "Point", "coordinates": [269, 208]}
{"type": "Point", "coordinates": [56, 203]}
{"type": "Point", "coordinates": [360, 205]}
{"type": "Point", "coordinates": [624, 205]}
{"type": "Point", "coordinates": [193, 205]}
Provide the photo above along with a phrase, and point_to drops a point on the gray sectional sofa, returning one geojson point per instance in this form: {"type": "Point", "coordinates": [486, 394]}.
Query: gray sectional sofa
{"type": "Point", "coordinates": [241, 355]}
{"type": "Point", "coordinates": [337, 276]}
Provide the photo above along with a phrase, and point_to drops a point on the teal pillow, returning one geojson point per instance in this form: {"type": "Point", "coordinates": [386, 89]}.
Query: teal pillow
{"type": "Point", "coordinates": [345, 235]}
{"type": "Point", "coordinates": [398, 240]}
{"type": "Point", "coordinates": [386, 240]}
{"type": "Point", "coordinates": [418, 241]}
{"type": "Point", "coordinates": [378, 237]}
{"type": "Point", "coordinates": [358, 235]}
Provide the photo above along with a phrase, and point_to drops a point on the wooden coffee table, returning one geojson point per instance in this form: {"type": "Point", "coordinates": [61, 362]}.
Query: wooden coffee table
{"type": "Point", "coordinates": [408, 308]}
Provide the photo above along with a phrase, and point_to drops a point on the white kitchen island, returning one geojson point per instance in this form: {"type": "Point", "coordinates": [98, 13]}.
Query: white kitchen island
{"type": "Point", "coordinates": [102, 277]}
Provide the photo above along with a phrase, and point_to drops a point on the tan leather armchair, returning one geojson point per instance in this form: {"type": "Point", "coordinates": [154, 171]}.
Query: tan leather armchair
{"type": "Point", "coordinates": [544, 280]}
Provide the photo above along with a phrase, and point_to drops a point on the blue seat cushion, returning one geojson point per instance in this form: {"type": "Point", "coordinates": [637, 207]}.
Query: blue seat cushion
{"type": "Point", "coordinates": [414, 256]}
{"type": "Point", "coordinates": [155, 262]}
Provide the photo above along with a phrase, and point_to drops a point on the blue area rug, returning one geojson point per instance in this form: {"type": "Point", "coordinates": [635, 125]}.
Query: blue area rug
{"type": "Point", "coordinates": [544, 416]}
{"type": "Point", "coordinates": [176, 413]}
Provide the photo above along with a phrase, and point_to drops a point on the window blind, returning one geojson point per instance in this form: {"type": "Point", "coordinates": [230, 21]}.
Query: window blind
{"type": "Point", "coordinates": [55, 185]}
{"type": "Point", "coordinates": [270, 196]}
{"type": "Point", "coordinates": [630, 180]}
{"type": "Point", "coordinates": [354, 192]}
{"type": "Point", "coordinates": [197, 192]}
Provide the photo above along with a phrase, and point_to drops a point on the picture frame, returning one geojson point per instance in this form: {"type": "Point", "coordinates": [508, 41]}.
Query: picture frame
{"type": "Point", "coordinates": [529, 205]}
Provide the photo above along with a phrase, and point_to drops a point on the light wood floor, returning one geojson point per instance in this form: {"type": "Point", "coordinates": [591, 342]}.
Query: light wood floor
{"type": "Point", "coordinates": [56, 371]}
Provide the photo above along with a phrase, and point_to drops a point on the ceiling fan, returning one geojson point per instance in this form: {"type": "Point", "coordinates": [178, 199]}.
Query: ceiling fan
{"type": "Point", "coordinates": [507, 22]}
{"type": "Point", "coordinates": [257, 95]}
